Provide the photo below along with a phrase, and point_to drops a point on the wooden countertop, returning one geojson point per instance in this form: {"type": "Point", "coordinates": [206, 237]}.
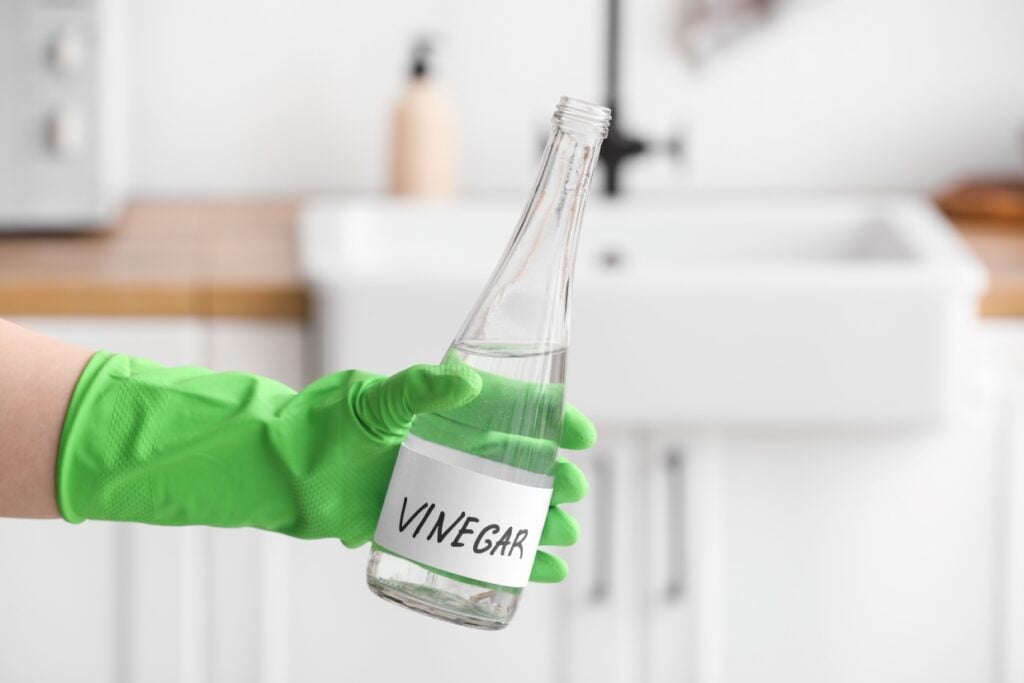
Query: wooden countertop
{"type": "Point", "coordinates": [239, 259]}
{"type": "Point", "coordinates": [1000, 245]}
{"type": "Point", "coordinates": [162, 258]}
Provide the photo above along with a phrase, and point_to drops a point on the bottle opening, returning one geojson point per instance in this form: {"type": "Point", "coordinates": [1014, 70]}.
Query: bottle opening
{"type": "Point", "coordinates": [583, 115]}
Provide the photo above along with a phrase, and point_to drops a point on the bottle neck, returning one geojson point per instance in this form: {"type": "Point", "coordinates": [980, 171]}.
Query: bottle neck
{"type": "Point", "coordinates": [526, 303]}
{"type": "Point", "coordinates": [555, 212]}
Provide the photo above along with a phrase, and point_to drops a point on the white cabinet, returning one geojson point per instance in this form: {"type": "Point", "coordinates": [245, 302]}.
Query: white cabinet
{"type": "Point", "coordinates": [1005, 348]}
{"type": "Point", "coordinates": [108, 602]}
{"type": "Point", "coordinates": [707, 556]}
{"type": "Point", "coordinates": [629, 605]}
{"type": "Point", "coordinates": [59, 590]}
{"type": "Point", "coordinates": [730, 557]}
{"type": "Point", "coordinates": [857, 558]}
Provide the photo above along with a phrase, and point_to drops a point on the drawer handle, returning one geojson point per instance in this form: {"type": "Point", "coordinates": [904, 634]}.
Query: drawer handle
{"type": "Point", "coordinates": [675, 480]}
{"type": "Point", "coordinates": [603, 497]}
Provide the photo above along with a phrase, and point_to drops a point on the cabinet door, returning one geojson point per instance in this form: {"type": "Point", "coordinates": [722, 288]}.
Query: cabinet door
{"type": "Point", "coordinates": [672, 491]}
{"type": "Point", "coordinates": [118, 602]}
{"type": "Point", "coordinates": [853, 557]}
{"type": "Point", "coordinates": [598, 601]}
{"type": "Point", "coordinates": [1003, 347]}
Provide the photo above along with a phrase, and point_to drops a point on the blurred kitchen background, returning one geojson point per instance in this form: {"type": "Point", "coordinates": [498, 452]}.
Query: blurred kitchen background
{"type": "Point", "coordinates": [799, 324]}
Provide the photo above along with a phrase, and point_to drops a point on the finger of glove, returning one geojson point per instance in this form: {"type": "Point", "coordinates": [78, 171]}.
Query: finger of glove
{"type": "Point", "coordinates": [570, 483]}
{"type": "Point", "coordinates": [548, 568]}
{"type": "Point", "coordinates": [388, 405]}
{"type": "Point", "coordinates": [578, 432]}
{"type": "Point", "coordinates": [353, 543]}
{"type": "Point", "coordinates": [560, 528]}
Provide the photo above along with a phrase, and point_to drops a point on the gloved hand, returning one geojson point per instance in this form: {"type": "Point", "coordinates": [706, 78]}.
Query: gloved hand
{"type": "Point", "coordinates": [177, 446]}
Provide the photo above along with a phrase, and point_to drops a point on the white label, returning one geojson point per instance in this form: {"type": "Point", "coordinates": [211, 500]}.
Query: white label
{"type": "Point", "coordinates": [462, 521]}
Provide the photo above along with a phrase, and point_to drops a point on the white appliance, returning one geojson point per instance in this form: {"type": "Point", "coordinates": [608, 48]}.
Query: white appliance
{"type": "Point", "coordinates": [61, 114]}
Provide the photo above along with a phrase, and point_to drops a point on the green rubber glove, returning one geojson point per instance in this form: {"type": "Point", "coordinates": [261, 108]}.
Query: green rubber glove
{"type": "Point", "coordinates": [179, 446]}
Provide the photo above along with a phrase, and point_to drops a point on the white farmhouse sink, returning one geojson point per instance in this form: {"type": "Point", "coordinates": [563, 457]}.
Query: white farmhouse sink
{"type": "Point", "coordinates": [705, 310]}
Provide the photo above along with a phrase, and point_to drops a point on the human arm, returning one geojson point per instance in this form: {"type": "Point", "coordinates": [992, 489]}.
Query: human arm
{"type": "Point", "coordinates": [37, 377]}
{"type": "Point", "coordinates": [146, 443]}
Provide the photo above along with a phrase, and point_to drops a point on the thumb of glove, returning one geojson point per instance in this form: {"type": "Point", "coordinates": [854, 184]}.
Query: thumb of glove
{"type": "Point", "coordinates": [388, 405]}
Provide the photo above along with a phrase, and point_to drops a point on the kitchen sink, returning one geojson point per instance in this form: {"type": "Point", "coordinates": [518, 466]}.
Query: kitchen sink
{"type": "Point", "coordinates": [706, 309]}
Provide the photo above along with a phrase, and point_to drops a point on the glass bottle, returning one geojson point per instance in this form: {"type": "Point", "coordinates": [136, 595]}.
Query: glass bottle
{"type": "Point", "coordinates": [471, 486]}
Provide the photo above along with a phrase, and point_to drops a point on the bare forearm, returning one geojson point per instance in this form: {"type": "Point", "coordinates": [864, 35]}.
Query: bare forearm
{"type": "Point", "coordinates": [37, 376]}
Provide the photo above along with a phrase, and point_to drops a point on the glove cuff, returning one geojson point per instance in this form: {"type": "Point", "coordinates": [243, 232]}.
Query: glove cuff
{"type": "Point", "coordinates": [69, 434]}
{"type": "Point", "coordinates": [182, 445]}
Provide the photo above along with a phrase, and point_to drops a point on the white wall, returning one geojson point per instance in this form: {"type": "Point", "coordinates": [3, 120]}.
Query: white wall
{"type": "Point", "coordinates": [248, 96]}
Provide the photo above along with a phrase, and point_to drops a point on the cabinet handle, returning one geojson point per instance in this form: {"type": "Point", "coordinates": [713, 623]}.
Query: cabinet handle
{"type": "Point", "coordinates": [675, 546]}
{"type": "Point", "coordinates": [604, 517]}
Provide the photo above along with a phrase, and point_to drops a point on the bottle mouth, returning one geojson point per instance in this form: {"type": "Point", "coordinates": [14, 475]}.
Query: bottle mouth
{"type": "Point", "coordinates": [583, 116]}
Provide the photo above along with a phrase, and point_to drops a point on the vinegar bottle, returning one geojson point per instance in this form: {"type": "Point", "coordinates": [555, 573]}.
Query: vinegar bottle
{"type": "Point", "coordinates": [471, 487]}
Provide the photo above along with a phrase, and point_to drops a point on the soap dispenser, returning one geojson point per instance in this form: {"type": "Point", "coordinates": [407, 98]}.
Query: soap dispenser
{"type": "Point", "coordinates": [423, 136]}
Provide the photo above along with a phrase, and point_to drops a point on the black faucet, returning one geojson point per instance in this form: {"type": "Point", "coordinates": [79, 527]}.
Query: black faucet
{"type": "Point", "coordinates": [619, 146]}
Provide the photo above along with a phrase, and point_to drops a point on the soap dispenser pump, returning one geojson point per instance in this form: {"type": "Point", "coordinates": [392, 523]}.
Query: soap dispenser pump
{"type": "Point", "coordinates": [423, 136]}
